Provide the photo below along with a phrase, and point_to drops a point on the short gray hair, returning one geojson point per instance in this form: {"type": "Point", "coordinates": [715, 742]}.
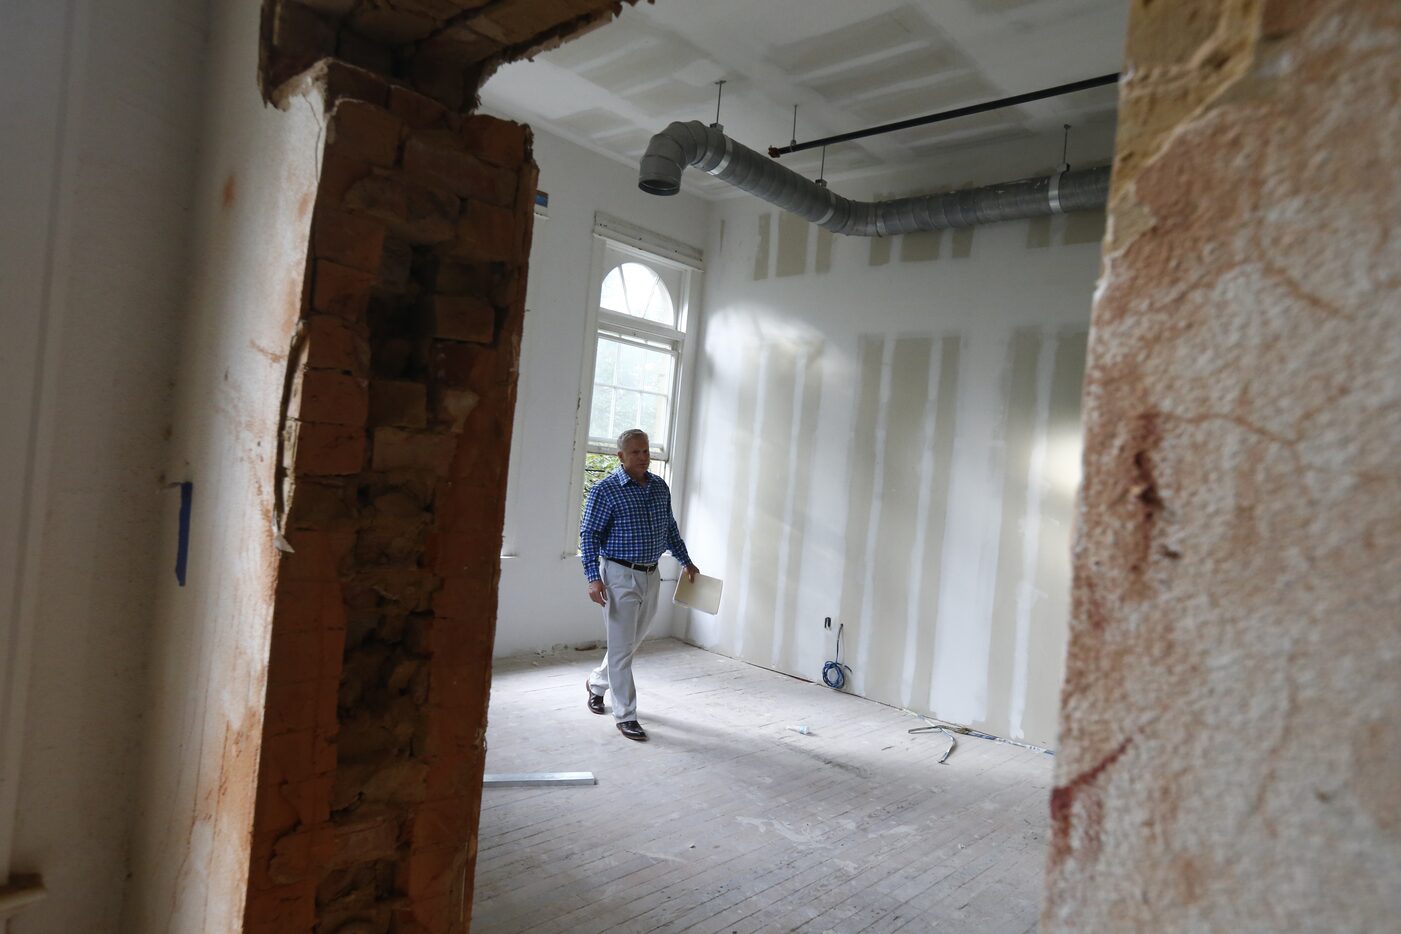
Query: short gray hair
{"type": "Point", "coordinates": [629, 434]}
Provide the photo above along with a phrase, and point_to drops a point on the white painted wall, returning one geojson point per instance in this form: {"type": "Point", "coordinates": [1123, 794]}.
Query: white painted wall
{"type": "Point", "coordinates": [138, 149]}
{"type": "Point", "coordinates": [100, 109]}
{"type": "Point", "coordinates": [253, 199]}
{"type": "Point", "coordinates": [543, 601]}
{"type": "Point", "coordinates": [836, 473]}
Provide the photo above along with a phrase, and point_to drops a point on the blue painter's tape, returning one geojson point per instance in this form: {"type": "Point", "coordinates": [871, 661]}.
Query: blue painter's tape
{"type": "Point", "coordinates": [187, 495]}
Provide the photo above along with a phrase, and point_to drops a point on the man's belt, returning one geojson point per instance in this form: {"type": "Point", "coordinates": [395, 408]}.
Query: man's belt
{"type": "Point", "coordinates": [644, 568]}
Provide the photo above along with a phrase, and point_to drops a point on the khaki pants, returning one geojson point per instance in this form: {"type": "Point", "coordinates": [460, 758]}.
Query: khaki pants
{"type": "Point", "coordinates": [632, 602]}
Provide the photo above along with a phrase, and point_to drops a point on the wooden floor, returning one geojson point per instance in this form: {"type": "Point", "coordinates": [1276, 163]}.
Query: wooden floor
{"type": "Point", "coordinates": [729, 820]}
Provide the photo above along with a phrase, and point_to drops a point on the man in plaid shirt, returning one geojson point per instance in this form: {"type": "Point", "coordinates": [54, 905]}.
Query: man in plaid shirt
{"type": "Point", "coordinates": [627, 525]}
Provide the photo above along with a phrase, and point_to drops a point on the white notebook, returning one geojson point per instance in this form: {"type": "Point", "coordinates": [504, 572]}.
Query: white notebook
{"type": "Point", "coordinates": [703, 594]}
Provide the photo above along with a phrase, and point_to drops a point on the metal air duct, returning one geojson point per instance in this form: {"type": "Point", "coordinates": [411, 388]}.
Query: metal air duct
{"type": "Point", "coordinates": [710, 150]}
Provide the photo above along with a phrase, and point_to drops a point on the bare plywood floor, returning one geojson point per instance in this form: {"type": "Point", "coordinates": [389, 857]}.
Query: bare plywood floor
{"type": "Point", "coordinates": [727, 820]}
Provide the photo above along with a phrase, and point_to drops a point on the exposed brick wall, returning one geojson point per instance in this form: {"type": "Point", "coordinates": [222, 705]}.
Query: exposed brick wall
{"type": "Point", "coordinates": [397, 435]}
{"type": "Point", "coordinates": [442, 48]}
{"type": "Point", "coordinates": [1229, 750]}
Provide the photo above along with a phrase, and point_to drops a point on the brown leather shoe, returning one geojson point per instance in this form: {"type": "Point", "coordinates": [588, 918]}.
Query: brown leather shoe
{"type": "Point", "coordinates": [633, 730]}
{"type": "Point", "coordinates": [595, 700]}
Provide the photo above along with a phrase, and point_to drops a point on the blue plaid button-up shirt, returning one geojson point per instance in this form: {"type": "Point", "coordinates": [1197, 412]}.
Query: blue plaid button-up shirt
{"type": "Point", "coordinates": [626, 520]}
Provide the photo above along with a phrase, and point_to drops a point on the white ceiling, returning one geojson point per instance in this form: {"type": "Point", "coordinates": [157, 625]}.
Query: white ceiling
{"type": "Point", "coordinates": [846, 64]}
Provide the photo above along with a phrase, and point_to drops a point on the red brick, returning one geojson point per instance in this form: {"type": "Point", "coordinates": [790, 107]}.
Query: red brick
{"type": "Point", "coordinates": [390, 542]}
{"type": "Point", "coordinates": [365, 839]}
{"type": "Point", "coordinates": [291, 757]}
{"type": "Point", "coordinates": [293, 858]}
{"type": "Point", "coordinates": [333, 345]}
{"type": "Point", "coordinates": [275, 817]}
{"type": "Point", "coordinates": [348, 239]}
{"type": "Point", "coordinates": [499, 142]}
{"type": "Point", "coordinates": [460, 646]}
{"type": "Point", "coordinates": [486, 233]}
{"type": "Point", "coordinates": [360, 130]}
{"type": "Point", "coordinates": [345, 80]}
{"type": "Point", "coordinates": [462, 318]}
{"type": "Point", "coordinates": [414, 212]}
{"type": "Point", "coordinates": [446, 821]}
{"type": "Point", "coordinates": [444, 79]}
{"type": "Point", "coordinates": [391, 25]}
{"type": "Point", "coordinates": [303, 704]}
{"type": "Point", "coordinates": [317, 556]}
{"type": "Point", "coordinates": [341, 290]}
{"type": "Point", "coordinates": [459, 690]}
{"type": "Point", "coordinates": [456, 365]}
{"type": "Point", "coordinates": [398, 403]}
{"type": "Point", "coordinates": [448, 742]}
{"type": "Point", "coordinates": [439, 914]}
{"type": "Point", "coordinates": [338, 173]}
{"type": "Point", "coordinates": [396, 265]}
{"type": "Point", "coordinates": [283, 908]}
{"type": "Point", "coordinates": [461, 597]}
{"type": "Point", "coordinates": [363, 52]}
{"type": "Point", "coordinates": [311, 799]}
{"type": "Point", "coordinates": [436, 870]}
{"type": "Point", "coordinates": [418, 111]}
{"type": "Point", "coordinates": [438, 157]}
{"type": "Point", "coordinates": [451, 407]}
{"type": "Point", "coordinates": [305, 655]}
{"type": "Point", "coordinates": [398, 782]}
{"type": "Point", "coordinates": [325, 504]}
{"type": "Point", "coordinates": [454, 554]}
{"type": "Point", "coordinates": [300, 37]}
{"type": "Point", "coordinates": [448, 277]}
{"type": "Point", "coordinates": [291, 706]}
{"type": "Point", "coordinates": [521, 22]}
{"type": "Point", "coordinates": [327, 450]}
{"type": "Point", "coordinates": [471, 508]}
{"type": "Point", "coordinates": [456, 769]}
{"type": "Point", "coordinates": [332, 398]}
{"type": "Point", "coordinates": [401, 449]}
{"type": "Point", "coordinates": [308, 604]}
{"type": "Point", "coordinates": [509, 288]}
{"type": "Point", "coordinates": [527, 184]}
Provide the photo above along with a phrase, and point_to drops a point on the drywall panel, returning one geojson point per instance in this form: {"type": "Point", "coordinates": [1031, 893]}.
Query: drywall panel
{"type": "Point", "coordinates": [100, 104]}
{"type": "Point", "coordinates": [886, 433]}
{"type": "Point", "coordinates": [542, 599]}
{"type": "Point", "coordinates": [252, 199]}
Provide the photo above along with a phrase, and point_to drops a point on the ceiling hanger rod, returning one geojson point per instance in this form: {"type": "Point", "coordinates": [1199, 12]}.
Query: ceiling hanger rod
{"type": "Point", "coordinates": [1058, 90]}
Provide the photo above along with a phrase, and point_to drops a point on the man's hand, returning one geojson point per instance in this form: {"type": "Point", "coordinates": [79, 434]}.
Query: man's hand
{"type": "Point", "coordinates": [597, 593]}
{"type": "Point", "coordinates": [691, 572]}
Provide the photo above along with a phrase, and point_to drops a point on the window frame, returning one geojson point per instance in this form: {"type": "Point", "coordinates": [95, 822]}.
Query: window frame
{"type": "Point", "coordinates": [635, 245]}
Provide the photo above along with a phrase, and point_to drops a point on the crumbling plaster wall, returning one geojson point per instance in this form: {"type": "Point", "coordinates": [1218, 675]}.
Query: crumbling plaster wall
{"type": "Point", "coordinates": [1230, 740]}
{"type": "Point", "coordinates": [252, 201]}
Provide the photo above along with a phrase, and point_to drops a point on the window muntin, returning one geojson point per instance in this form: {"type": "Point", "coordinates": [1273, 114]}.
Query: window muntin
{"type": "Point", "coordinates": [635, 290]}
{"type": "Point", "coordinates": [632, 388]}
{"type": "Point", "coordinates": [638, 367]}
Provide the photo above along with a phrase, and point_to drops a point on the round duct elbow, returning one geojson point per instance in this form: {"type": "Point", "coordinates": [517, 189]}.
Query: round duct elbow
{"type": "Point", "coordinates": [659, 176]}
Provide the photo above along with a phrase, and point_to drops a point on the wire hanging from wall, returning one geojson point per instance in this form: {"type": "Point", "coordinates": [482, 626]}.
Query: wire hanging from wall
{"type": "Point", "coordinates": [834, 672]}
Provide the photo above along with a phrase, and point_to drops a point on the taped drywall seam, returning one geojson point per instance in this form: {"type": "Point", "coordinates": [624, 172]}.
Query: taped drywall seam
{"type": "Point", "coordinates": [1036, 481]}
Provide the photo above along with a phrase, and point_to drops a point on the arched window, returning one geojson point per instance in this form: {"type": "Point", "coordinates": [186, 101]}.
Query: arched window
{"type": "Point", "coordinates": [636, 290]}
{"type": "Point", "coordinates": [640, 305]}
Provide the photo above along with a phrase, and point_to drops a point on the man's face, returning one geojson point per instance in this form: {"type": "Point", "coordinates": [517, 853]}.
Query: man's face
{"type": "Point", "coordinates": [636, 456]}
